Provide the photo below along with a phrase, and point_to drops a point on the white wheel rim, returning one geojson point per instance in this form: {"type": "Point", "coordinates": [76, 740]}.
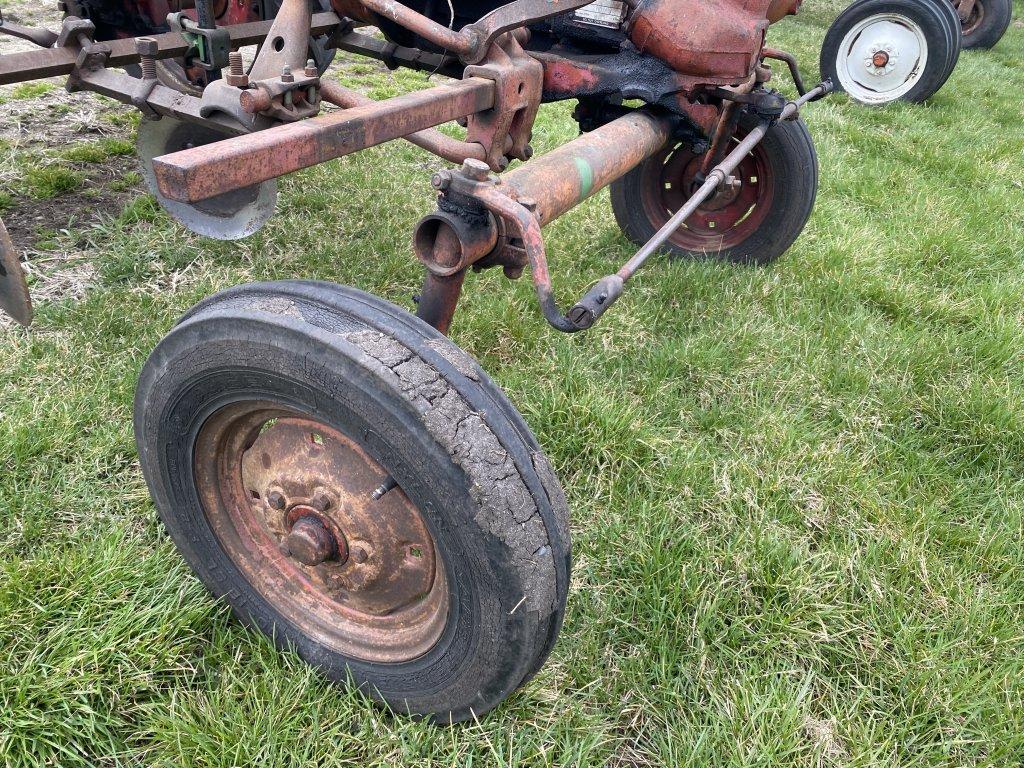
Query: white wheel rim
{"type": "Point", "coordinates": [886, 37]}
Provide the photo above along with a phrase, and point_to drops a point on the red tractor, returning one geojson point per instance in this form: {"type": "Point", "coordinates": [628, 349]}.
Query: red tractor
{"type": "Point", "coordinates": [331, 465]}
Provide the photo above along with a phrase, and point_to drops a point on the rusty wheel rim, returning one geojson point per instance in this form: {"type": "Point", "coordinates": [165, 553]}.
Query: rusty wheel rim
{"type": "Point", "coordinates": [725, 220]}
{"type": "Point", "coordinates": [291, 501]}
{"type": "Point", "coordinates": [973, 21]}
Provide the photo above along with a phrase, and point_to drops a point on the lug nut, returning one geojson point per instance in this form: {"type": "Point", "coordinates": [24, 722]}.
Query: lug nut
{"type": "Point", "coordinates": [286, 74]}
{"type": "Point", "coordinates": [321, 502]}
{"type": "Point", "coordinates": [276, 500]}
{"type": "Point", "coordinates": [311, 70]}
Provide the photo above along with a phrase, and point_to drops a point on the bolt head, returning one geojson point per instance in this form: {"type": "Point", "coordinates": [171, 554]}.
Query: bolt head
{"type": "Point", "coordinates": [276, 500]}
{"type": "Point", "coordinates": [147, 46]}
{"type": "Point", "coordinates": [474, 169]}
{"type": "Point", "coordinates": [441, 180]}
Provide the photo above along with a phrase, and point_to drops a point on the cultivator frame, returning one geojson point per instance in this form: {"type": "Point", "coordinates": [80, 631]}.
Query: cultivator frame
{"type": "Point", "coordinates": [270, 115]}
{"type": "Point", "coordinates": [339, 472]}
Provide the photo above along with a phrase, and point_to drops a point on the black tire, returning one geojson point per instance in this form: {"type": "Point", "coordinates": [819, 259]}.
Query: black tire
{"type": "Point", "coordinates": [788, 160]}
{"type": "Point", "coordinates": [424, 410]}
{"type": "Point", "coordinates": [988, 23]}
{"type": "Point", "coordinates": [938, 24]}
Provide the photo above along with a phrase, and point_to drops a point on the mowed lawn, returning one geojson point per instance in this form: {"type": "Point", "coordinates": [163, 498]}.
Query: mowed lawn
{"type": "Point", "coordinates": [797, 492]}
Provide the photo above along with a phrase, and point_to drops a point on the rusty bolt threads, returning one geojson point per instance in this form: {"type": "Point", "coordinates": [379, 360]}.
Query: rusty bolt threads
{"type": "Point", "coordinates": [286, 74]}
{"type": "Point", "coordinates": [474, 169]}
{"type": "Point", "coordinates": [311, 70]}
{"type": "Point", "coordinates": [310, 542]}
{"type": "Point", "coordinates": [147, 48]}
{"type": "Point", "coordinates": [276, 500]}
{"type": "Point", "coordinates": [236, 74]}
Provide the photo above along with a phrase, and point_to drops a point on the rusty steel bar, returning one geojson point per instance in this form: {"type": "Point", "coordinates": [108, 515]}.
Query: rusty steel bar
{"type": "Point", "coordinates": [440, 35]}
{"type": "Point", "coordinates": [203, 172]}
{"type": "Point", "coordinates": [50, 62]}
{"type": "Point", "coordinates": [565, 177]}
{"type": "Point", "coordinates": [431, 139]}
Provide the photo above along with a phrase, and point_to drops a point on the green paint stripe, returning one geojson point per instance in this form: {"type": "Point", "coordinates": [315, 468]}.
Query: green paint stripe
{"type": "Point", "coordinates": [586, 177]}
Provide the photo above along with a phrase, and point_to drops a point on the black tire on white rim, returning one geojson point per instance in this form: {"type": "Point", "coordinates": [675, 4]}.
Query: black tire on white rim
{"type": "Point", "coordinates": [880, 51]}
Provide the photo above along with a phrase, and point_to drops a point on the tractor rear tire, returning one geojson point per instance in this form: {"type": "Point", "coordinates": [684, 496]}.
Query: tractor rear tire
{"type": "Point", "coordinates": [987, 23]}
{"type": "Point", "coordinates": [753, 223]}
{"type": "Point", "coordinates": [353, 485]}
{"type": "Point", "coordinates": [881, 51]}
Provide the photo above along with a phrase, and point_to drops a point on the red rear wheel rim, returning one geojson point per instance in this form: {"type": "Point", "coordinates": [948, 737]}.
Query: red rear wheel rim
{"type": "Point", "coordinates": [724, 221]}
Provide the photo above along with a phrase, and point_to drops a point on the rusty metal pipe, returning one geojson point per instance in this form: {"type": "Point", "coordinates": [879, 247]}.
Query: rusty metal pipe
{"type": "Point", "coordinates": [440, 35]}
{"type": "Point", "coordinates": [565, 177]}
{"type": "Point", "coordinates": [438, 299]}
{"type": "Point", "coordinates": [790, 61]}
{"type": "Point", "coordinates": [203, 172]}
{"type": "Point", "coordinates": [432, 140]}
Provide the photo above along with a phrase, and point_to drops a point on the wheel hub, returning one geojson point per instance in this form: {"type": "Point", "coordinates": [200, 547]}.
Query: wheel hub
{"type": "Point", "coordinates": [311, 541]}
{"type": "Point", "coordinates": [293, 501]}
{"type": "Point", "coordinates": [723, 221]}
{"type": "Point", "coordinates": [881, 58]}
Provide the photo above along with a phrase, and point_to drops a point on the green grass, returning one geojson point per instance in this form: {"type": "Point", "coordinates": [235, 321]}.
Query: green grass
{"type": "Point", "coordinates": [797, 492]}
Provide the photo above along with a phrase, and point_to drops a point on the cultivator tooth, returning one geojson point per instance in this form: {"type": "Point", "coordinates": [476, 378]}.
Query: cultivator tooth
{"type": "Point", "coordinates": [14, 298]}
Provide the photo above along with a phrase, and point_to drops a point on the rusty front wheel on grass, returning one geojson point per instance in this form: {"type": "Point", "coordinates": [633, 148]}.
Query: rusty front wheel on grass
{"type": "Point", "coordinates": [354, 486]}
{"type": "Point", "coordinates": [753, 220]}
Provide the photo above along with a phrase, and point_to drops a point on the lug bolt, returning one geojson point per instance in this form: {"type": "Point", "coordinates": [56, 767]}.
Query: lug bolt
{"type": "Point", "coordinates": [311, 70]}
{"type": "Point", "coordinates": [359, 554]}
{"type": "Point", "coordinates": [286, 74]}
{"type": "Point", "coordinates": [276, 500]}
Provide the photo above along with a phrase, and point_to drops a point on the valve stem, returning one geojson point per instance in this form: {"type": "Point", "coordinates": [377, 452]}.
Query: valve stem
{"type": "Point", "coordinates": [388, 484]}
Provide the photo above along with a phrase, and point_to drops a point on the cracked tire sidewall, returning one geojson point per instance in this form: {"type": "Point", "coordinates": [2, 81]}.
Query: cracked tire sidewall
{"type": "Point", "coordinates": [295, 349]}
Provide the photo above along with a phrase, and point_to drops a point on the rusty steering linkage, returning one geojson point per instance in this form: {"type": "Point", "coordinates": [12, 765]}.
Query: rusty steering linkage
{"type": "Point", "coordinates": [487, 221]}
